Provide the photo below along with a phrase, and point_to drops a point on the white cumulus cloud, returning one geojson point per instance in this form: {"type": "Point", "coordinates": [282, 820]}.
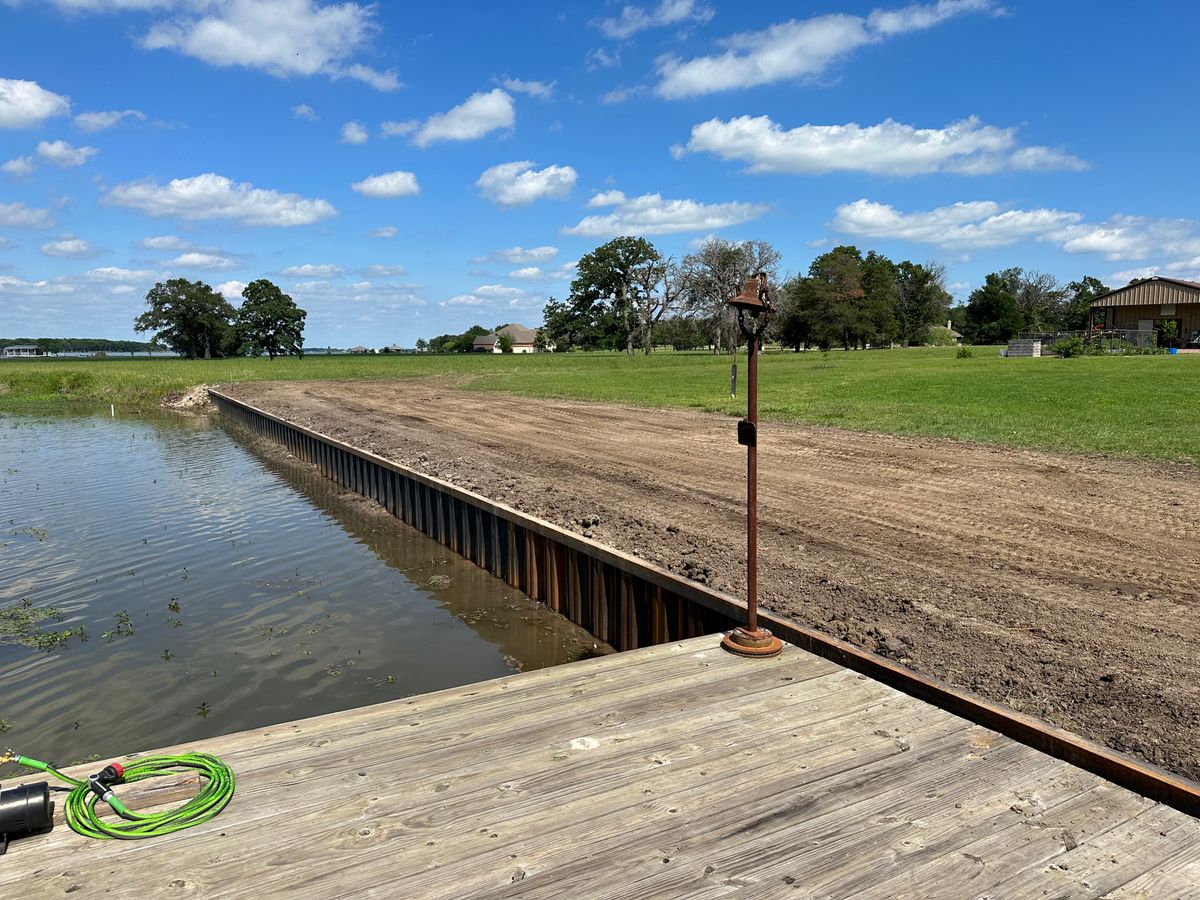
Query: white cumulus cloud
{"type": "Point", "coordinates": [69, 245]}
{"type": "Point", "coordinates": [973, 224]}
{"type": "Point", "coordinates": [464, 300]}
{"type": "Point", "coordinates": [354, 133]}
{"type": "Point", "coordinates": [799, 48]}
{"type": "Point", "coordinates": [26, 104]}
{"type": "Point", "coordinates": [309, 270]}
{"type": "Point", "coordinates": [303, 111]}
{"type": "Point", "coordinates": [387, 231]}
{"type": "Point", "coordinates": [652, 214]}
{"type": "Point", "coordinates": [472, 119]}
{"type": "Point", "coordinates": [384, 271]}
{"type": "Point", "coordinates": [519, 255]}
{"type": "Point", "coordinates": [118, 274]}
{"type": "Point", "coordinates": [527, 273]}
{"type": "Point", "coordinates": [543, 90]}
{"type": "Point", "coordinates": [18, 215]}
{"type": "Point", "coordinates": [21, 167]}
{"type": "Point", "coordinates": [389, 184]}
{"type": "Point", "coordinates": [282, 37]}
{"type": "Point", "coordinates": [606, 198]}
{"type": "Point", "coordinates": [90, 122]}
{"type": "Point", "coordinates": [637, 18]}
{"type": "Point", "coordinates": [195, 260]}
{"type": "Point", "coordinates": [63, 155]}
{"type": "Point", "coordinates": [164, 242]}
{"type": "Point", "coordinates": [392, 128]}
{"type": "Point", "coordinates": [519, 183]}
{"type": "Point", "coordinates": [381, 81]}
{"type": "Point", "coordinates": [212, 196]}
{"type": "Point", "coordinates": [980, 224]}
{"type": "Point", "coordinates": [966, 147]}
{"type": "Point", "coordinates": [232, 290]}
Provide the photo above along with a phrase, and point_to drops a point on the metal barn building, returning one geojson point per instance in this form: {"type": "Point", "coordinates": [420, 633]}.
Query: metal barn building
{"type": "Point", "coordinates": [1147, 305]}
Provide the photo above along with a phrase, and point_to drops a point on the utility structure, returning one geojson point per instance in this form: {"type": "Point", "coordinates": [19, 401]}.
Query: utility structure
{"type": "Point", "coordinates": [754, 308]}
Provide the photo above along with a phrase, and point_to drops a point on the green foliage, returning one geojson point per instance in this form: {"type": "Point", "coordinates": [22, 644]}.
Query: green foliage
{"type": "Point", "coordinates": [190, 318]}
{"type": "Point", "coordinates": [963, 353]}
{"type": "Point", "coordinates": [269, 321]}
{"type": "Point", "coordinates": [1167, 330]}
{"type": "Point", "coordinates": [1069, 347]}
{"type": "Point", "coordinates": [680, 333]}
{"type": "Point", "coordinates": [123, 628]}
{"type": "Point", "coordinates": [21, 624]}
{"type": "Point", "coordinates": [505, 343]}
{"type": "Point", "coordinates": [83, 345]}
{"type": "Point", "coordinates": [922, 301]}
{"type": "Point", "coordinates": [992, 315]}
{"type": "Point", "coordinates": [939, 336]}
{"type": "Point", "coordinates": [600, 311]}
{"type": "Point", "coordinates": [1076, 310]}
{"type": "Point", "coordinates": [852, 301]}
{"type": "Point", "coordinates": [456, 343]}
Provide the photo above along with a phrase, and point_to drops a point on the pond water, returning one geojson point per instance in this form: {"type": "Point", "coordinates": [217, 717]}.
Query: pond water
{"type": "Point", "coordinates": [223, 589]}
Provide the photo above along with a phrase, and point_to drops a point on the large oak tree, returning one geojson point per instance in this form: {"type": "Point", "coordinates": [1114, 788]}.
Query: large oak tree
{"type": "Point", "coordinates": [269, 321]}
{"type": "Point", "coordinates": [190, 318]}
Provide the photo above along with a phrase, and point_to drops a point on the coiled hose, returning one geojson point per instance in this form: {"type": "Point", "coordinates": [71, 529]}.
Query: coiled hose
{"type": "Point", "coordinates": [80, 805]}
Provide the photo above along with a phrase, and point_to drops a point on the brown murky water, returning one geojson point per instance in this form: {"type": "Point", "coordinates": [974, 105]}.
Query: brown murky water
{"type": "Point", "coordinates": [223, 590]}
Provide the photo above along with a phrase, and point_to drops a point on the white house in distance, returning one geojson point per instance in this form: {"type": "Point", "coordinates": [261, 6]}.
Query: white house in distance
{"type": "Point", "coordinates": [522, 340]}
{"type": "Point", "coordinates": [25, 351]}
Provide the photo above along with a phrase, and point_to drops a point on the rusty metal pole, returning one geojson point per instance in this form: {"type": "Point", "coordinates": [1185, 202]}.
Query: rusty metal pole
{"type": "Point", "coordinates": [752, 489]}
{"type": "Point", "coordinates": [755, 302]}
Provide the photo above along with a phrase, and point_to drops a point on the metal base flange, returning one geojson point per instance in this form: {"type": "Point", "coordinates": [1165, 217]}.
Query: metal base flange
{"type": "Point", "coordinates": [758, 643]}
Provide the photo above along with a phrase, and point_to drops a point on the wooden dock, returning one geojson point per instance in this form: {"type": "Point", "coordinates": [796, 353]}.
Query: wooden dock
{"type": "Point", "coordinates": [670, 771]}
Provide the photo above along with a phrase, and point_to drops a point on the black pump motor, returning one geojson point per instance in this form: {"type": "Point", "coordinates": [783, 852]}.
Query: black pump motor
{"type": "Point", "coordinates": [25, 810]}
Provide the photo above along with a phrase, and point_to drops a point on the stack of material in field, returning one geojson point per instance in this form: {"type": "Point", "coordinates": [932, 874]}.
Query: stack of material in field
{"type": "Point", "coordinates": [1024, 347]}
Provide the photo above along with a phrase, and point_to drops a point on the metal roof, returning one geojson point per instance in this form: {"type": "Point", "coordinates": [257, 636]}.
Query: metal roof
{"type": "Point", "coordinates": [1151, 292]}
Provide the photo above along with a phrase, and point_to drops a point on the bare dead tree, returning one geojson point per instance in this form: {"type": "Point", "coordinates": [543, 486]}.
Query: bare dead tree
{"type": "Point", "coordinates": [716, 272]}
{"type": "Point", "coordinates": [656, 292]}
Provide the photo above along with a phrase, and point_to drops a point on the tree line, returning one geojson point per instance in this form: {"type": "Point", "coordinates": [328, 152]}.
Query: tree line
{"type": "Point", "coordinates": [626, 294]}
{"type": "Point", "coordinates": [465, 342]}
{"type": "Point", "coordinates": [1013, 300]}
{"type": "Point", "coordinates": [83, 345]}
{"type": "Point", "coordinates": [198, 322]}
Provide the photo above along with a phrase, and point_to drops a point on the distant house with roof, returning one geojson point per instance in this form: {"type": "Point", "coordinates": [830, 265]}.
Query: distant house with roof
{"type": "Point", "coordinates": [522, 339]}
{"type": "Point", "coordinates": [22, 351]}
{"type": "Point", "coordinates": [361, 349]}
{"type": "Point", "coordinates": [1146, 306]}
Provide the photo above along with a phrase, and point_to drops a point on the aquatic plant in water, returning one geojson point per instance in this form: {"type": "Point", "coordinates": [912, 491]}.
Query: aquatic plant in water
{"type": "Point", "coordinates": [21, 624]}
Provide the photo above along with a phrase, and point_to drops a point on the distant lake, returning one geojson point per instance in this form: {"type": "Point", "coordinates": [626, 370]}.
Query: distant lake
{"type": "Point", "coordinates": [236, 591]}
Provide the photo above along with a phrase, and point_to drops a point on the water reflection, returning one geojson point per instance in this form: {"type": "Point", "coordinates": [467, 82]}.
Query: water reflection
{"type": "Point", "coordinates": [223, 590]}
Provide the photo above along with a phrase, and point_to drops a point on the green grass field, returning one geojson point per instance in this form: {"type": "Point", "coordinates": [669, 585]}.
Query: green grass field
{"type": "Point", "coordinates": [1127, 406]}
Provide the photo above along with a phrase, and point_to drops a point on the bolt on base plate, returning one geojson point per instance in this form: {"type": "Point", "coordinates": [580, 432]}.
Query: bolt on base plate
{"type": "Point", "coordinates": [760, 643]}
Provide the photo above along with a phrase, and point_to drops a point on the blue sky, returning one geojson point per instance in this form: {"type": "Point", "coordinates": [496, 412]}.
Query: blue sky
{"type": "Point", "coordinates": [405, 170]}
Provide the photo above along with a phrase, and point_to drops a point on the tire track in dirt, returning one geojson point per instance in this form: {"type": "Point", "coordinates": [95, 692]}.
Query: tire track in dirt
{"type": "Point", "coordinates": [1064, 586]}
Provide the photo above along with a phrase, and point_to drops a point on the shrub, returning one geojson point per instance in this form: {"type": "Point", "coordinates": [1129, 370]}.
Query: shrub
{"type": "Point", "coordinates": [1068, 347]}
{"type": "Point", "coordinates": [964, 353]}
{"type": "Point", "coordinates": [939, 336]}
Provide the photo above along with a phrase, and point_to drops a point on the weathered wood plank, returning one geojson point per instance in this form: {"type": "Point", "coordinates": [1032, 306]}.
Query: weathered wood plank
{"type": "Point", "coordinates": [676, 771]}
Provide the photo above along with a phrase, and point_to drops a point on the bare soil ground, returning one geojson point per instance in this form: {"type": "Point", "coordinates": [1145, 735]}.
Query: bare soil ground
{"type": "Point", "coordinates": [1067, 587]}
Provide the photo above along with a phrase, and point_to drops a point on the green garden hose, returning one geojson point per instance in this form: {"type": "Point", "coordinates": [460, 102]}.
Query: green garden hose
{"type": "Point", "coordinates": [80, 805]}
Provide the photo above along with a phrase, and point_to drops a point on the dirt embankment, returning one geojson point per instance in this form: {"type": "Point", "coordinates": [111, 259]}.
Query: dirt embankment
{"type": "Point", "coordinates": [1067, 587]}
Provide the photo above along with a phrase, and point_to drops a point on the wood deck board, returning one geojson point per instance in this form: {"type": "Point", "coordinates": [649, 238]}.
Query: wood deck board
{"type": "Point", "coordinates": [677, 770]}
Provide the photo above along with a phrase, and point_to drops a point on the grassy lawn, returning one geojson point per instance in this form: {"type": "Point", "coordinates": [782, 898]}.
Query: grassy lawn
{"type": "Point", "coordinates": [1127, 406]}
